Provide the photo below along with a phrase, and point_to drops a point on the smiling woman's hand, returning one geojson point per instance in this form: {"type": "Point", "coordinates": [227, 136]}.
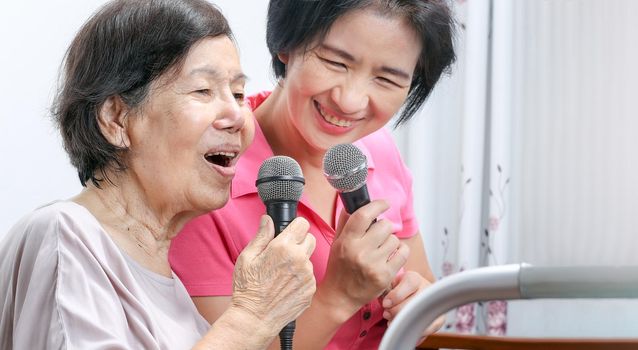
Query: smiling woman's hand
{"type": "Point", "coordinates": [404, 287]}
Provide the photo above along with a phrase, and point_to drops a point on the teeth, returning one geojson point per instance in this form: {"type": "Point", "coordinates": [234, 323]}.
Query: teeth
{"type": "Point", "coordinates": [334, 120]}
{"type": "Point", "coordinates": [225, 154]}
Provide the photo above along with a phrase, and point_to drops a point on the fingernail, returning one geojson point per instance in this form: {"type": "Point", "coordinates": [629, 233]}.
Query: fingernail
{"type": "Point", "coordinates": [387, 303]}
{"type": "Point", "coordinates": [386, 315]}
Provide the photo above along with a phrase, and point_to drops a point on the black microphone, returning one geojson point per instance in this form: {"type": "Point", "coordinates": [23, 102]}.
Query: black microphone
{"type": "Point", "coordinates": [280, 183]}
{"type": "Point", "coordinates": [346, 168]}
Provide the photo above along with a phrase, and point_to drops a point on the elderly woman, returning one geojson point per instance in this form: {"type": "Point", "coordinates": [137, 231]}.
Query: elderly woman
{"type": "Point", "coordinates": [152, 115]}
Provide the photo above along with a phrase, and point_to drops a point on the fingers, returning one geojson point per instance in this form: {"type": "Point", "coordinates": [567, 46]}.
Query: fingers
{"type": "Point", "coordinates": [399, 257]}
{"type": "Point", "coordinates": [380, 238]}
{"type": "Point", "coordinates": [359, 222]}
{"type": "Point", "coordinates": [380, 233]}
{"type": "Point", "coordinates": [361, 231]}
{"type": "Point", "coordinates": [310, 243]}
{"type": "Point", "coordinates": [264, 235]}
{"type": "Point", "coordinates": [435, 326]}
{"type": "Point", "coordinates": [296, 231]}
{"type": "Point", "coordinates": [376, 238]}
{"type": "Point", "coordinates": [405, 287]}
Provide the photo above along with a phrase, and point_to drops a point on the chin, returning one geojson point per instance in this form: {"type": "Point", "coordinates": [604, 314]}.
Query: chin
{"type": "Point", "coordinates": [209, 200]}
{"type": "Point", "coordinates": [218, 202]}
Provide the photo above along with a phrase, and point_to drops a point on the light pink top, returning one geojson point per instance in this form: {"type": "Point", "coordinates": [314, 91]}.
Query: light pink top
{"type": "Point", "coordinates": [66, 285]}
{"type": "Point", "coordinates": [204, 253]}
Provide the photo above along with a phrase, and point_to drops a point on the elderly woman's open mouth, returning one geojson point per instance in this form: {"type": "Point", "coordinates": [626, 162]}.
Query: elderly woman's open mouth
{"type": "Point", "coordinates": [223, 159]}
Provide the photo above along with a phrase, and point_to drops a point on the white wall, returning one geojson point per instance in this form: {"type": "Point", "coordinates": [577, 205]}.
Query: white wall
{"type": "Point", "coordinates": [34, 36]}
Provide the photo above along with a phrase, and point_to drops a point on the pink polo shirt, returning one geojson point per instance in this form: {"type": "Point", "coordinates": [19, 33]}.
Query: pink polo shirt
{"type": "Point", "coordinates": [204, 253]}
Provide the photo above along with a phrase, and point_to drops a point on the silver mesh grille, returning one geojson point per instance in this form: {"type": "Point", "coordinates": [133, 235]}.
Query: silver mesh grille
{"type": "Point", "coordinates": [345, 167]}
{"type": "Point", "coordinates": [284, 189]}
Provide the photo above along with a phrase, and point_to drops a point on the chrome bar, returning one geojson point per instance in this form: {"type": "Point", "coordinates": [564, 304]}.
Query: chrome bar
{"type": "Point", "coordinates": [506, 282]}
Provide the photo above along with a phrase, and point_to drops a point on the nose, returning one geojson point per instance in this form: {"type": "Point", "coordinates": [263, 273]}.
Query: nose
{"type": "Point", "coordinates": [230, 118]}
{"type": "Point", "coordinates": [351, 96]}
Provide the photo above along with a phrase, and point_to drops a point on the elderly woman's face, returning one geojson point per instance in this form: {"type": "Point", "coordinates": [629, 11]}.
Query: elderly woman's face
{"type": "Point", "coordinates": [186, 138]}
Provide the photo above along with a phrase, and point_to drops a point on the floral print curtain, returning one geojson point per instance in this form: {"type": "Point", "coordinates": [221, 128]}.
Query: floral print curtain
{"type": "Point", "coordinates": [472, 230]}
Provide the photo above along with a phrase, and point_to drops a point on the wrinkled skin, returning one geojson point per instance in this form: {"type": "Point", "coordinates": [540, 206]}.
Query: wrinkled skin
{"type": "Point", "coordinates": [273, 278]}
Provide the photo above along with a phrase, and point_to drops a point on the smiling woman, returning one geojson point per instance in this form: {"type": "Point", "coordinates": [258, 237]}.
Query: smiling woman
{"type": "Point", "coordinates": [152, 115]}
{"type": "Point", "coordinates": [344, 69]}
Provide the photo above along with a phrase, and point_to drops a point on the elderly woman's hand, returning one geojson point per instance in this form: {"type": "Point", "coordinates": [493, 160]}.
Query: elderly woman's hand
{"type": "Point", "coordinates": [273, 278]}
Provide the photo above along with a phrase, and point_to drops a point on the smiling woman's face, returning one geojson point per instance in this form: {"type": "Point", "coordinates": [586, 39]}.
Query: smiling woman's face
{"type": "Point", "coordinates": [186, 138]}
{"type": "Point", "coordinates": [352, 82]}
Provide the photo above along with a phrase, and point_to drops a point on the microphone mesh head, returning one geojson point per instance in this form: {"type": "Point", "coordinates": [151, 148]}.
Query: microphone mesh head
{"type": "Point", "coordinates": [280, 189]}
{"type": "Point", "coordinates": [346, 167]}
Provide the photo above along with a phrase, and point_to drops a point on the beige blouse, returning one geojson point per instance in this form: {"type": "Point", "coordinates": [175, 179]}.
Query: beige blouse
{"type": "Point", "coordinates": [64, 284]}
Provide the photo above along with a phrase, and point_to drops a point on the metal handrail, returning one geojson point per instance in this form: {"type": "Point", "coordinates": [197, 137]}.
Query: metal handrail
{"type": "Point", "coordinates": [517, 281]}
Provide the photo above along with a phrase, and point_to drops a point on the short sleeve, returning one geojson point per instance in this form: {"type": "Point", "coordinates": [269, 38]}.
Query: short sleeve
{"type": "Point", "coordinates": [389, 178]}
{"type": "Point", "coordinates": [202, 259]}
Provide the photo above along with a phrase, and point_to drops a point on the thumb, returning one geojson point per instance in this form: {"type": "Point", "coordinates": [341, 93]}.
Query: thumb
{"type": "Point", "coordinates": [265, 234]}
{"type": "Point", "coordinates": [297, 230]}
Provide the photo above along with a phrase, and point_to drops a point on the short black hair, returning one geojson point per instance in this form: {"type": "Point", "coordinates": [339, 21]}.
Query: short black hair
{"type": "Point", "coordinates": [120, 51]}
{"type": "Point", "coordinates": [294, 24]}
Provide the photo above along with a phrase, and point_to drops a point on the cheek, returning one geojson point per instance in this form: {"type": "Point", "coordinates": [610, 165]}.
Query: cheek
{"type": "Point", "coordinates": [389, 103]}
{"type": "Point", "coordinates": [173, 145]}
{"type": "Point", "coordinates": [185, 128]}
{"type": "Point", "coordinates": [310, 78]}
{"type": "Point", "coordinates": [146, 149]}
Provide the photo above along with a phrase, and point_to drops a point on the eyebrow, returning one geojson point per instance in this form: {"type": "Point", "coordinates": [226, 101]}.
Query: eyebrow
{"type": "Point", "coordinates": [345, 55]}
{"type": "Point", "coordinates": [239, 76]}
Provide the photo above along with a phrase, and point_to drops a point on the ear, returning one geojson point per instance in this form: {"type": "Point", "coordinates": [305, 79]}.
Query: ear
{"type": "Point", "coordinates": [112, 121]}
{"type": "Point", "coordinates": [283, 57]}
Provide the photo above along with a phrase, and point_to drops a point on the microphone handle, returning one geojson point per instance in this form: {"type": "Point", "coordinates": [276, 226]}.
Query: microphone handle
{"type": "Point", "coordinates": [282, 213]}
{"type": "Point", "coordinates": [286, 335]}
{"type": "Point", "coordinates": [356, 199]}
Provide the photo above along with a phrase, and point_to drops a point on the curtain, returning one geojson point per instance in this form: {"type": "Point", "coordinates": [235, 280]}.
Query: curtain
{"type": "Point", "coordinates": [461, 165]}
{"type": "Point", "coordinates": [523, 153]}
